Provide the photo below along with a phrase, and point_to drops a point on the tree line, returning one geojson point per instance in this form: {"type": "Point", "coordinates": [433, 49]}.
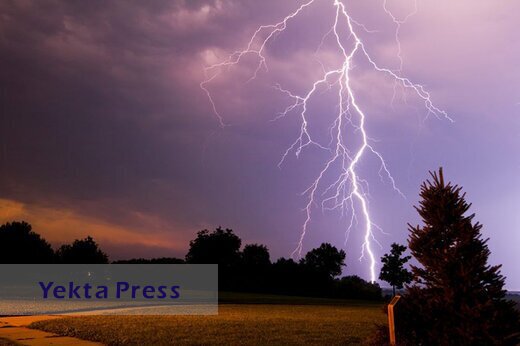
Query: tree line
{"type": "Point", "coordinates": [251, 269]}
{"type": "Point", "coordinates": [244, 270]}
{"type": "Point", "coordinates": [20, 244]}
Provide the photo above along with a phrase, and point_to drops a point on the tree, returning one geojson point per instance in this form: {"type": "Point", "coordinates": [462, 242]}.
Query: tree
{"type": "Point", "coordinates": [218, 247]}
{"type": "Point", "coordinates": [84, 251]}
{"type": "Point", "coordinates": [457, 298]}
{"type": "Point", "coordinates": [255, 257]}
{"type": "Point", "coordinates": [20, 244]}
{"type": "Point", "coordinates": [393, 270]}
{"type": "Point", "coordinates": [325, 260]}
{"type": "Point", "coordinates": [254, 269]}
{"type": "Point", "coordinates": [287, 278]}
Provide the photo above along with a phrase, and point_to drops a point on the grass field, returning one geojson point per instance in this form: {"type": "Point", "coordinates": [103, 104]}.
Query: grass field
{"type": "Point", "coordinates": [4, 342]}
{"type": "Point", "coordinates": [256, 320]}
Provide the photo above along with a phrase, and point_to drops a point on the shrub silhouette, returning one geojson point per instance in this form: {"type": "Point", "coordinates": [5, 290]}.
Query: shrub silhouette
{"type": "Point", "coordinates": [354, 287]}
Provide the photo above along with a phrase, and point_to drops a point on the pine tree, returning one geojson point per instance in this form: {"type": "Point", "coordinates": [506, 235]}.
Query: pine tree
{"type": "Point", "coordinates": [457, 298]}
{"type": "Point", "coordinates": [393, 270]}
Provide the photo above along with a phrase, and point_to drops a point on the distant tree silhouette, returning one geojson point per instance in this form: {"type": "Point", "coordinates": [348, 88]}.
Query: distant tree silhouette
{"type": "Point", "coordinates": [325, 260]}
{"type": "Point", "coordinates": [256, 257]}
{"type": "Point", "coordinates": [20, 244]}
{"type": "Point", "coordinates": [160, 260]}
{"type": "Point", "coordinates": [220, 247]}
{"type": "Point", "coordinates": [84, 251]}
{"type": "Point", "coordinates": [457, 298]}
{"type": "Point", "coordinates": [254, 270]}
{"type": "Point", "coordinates": [287, 277]}
{"type": "Point", "coordinates": [354, 287]}
{"type": "Point", "coordinates": [393, 270]}
{"type": "Point", "coordinates": [319, 268]}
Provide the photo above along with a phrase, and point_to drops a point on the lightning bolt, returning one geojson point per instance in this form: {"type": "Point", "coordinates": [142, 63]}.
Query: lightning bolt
{"type": "Point", "coordinates": [349, 192]}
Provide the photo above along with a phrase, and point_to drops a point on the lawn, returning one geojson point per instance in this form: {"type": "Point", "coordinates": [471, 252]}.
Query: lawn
{"type": "Point", "coordinates": [260, 320]}
{"type": "Point", "coordinates": [5, 342]}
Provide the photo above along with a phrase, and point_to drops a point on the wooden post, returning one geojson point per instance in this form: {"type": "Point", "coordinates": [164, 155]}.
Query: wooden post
{"type": "Point", "coordinates": [391, 322]}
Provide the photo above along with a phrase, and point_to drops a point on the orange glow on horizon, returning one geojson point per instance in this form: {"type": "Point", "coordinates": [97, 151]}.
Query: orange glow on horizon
{"type": "Point", "coordinates": [59, 226]}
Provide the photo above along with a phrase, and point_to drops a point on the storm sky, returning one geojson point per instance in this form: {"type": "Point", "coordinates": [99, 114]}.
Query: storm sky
{"type": "Point", "coordinates": [104, 129]}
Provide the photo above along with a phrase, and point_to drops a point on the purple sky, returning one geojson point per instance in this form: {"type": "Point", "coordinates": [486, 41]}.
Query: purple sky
{"type": "Point", "coordinates": [104, 129]}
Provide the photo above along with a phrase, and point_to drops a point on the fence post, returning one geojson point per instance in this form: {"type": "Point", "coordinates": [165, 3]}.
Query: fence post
{"type": "Point", "coordinates": [391, 322]}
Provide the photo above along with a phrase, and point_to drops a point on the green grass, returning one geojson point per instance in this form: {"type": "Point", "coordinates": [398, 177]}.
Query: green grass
{"type": "Point", "coordinates": [262, 321]}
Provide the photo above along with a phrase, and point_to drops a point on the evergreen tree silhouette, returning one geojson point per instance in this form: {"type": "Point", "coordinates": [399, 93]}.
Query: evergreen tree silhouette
{"type": "Point", "coordinates": [457, 298]}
